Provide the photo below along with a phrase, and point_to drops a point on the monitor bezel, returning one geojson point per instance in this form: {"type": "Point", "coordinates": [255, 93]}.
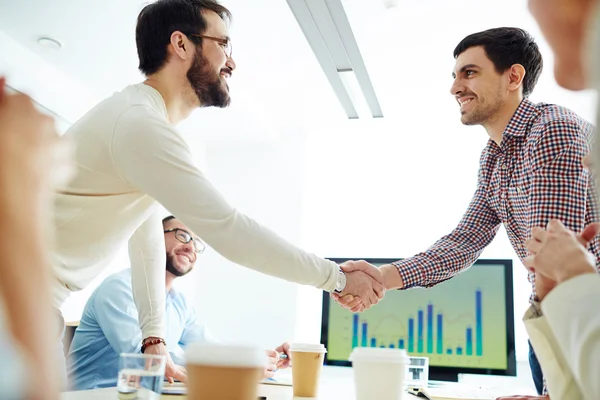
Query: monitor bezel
{"type": "Point", "coordinates": [439, 372]}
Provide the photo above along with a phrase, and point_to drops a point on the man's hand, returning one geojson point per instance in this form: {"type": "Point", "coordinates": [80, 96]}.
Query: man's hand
{"type": "Point", "coordinates": [524, 398]}
{"type": "Point", "coordinates": [559, 254]}
{"type": "Point", "coordinates": [173, 371]}
{"type": "Point", "coordinates": [364, 286]}
{"type": "Point", "coordinates": [282, 363]}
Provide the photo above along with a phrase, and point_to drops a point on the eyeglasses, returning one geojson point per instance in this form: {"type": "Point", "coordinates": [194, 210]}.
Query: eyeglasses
{"type": "Point", "coordinates": [185, 237]}
{"type": "Point", "coordinates": [225, 43]}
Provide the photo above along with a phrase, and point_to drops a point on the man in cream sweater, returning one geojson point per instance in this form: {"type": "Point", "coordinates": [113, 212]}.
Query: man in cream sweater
{"type": "Point", "coordinates": [130, 158]}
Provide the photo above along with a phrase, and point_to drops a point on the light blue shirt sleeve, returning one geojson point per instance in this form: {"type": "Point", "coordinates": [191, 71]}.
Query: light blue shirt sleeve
{"type": "Point", "coordinates": [116, 315]}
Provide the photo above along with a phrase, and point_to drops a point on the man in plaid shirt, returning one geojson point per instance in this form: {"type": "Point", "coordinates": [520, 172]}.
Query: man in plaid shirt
{"type": "Point", "coordinates": [530, 171]}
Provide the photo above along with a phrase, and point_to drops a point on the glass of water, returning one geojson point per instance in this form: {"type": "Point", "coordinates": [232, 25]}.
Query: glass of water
{"type": "Point", "coordinates": [140, 376]}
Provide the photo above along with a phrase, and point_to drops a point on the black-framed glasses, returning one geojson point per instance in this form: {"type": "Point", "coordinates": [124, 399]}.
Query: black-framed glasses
{"type": "Point", "coordinates": [225, 43]}
{"type": "Point", "coordinates": [185, 237]}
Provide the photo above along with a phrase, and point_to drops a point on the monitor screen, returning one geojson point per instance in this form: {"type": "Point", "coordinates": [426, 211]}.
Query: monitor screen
{"type": "Point", "coordinates": [464, 325]}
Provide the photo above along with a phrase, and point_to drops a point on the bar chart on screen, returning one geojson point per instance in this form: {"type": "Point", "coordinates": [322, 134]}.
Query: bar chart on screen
{"type": "Point", "coordinates": [461, 322]}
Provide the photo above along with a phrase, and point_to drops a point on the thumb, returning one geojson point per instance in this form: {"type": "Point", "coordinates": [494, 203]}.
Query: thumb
{"type": "Point", "coordinates": [589, 233]}
{"type": "Point", "coordinates": [350, 266]}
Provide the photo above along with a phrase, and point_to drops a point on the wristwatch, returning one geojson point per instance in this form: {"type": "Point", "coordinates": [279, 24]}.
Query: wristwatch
{"type": "Point", "coordinates": [340, 285]}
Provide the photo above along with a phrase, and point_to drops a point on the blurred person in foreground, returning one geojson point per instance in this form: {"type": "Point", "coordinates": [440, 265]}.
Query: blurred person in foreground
{"type": "Point", "coordinates": [564, 322]}
{"type": "Point", "coordinates": [29, 149]}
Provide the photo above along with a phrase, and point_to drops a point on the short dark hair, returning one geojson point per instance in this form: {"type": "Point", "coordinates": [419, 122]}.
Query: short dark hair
{"type": "Point", "coordinates": [167, 219]}
{"type": "Point", "coordinates": [506, 47]}
{"type": "Point", "coordinates": [157, 22]}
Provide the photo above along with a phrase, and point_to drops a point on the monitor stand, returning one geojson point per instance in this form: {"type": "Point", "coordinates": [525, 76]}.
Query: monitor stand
{"type": "Point", "coordinates": [443, 376]}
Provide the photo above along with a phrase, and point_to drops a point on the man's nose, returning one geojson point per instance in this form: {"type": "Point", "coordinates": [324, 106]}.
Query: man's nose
{"type": "Point", "coordinates": [230, 64]}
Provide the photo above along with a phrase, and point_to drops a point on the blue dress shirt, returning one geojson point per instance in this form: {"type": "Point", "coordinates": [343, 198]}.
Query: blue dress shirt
{"type": "Point", "coordinates": [109, 326]}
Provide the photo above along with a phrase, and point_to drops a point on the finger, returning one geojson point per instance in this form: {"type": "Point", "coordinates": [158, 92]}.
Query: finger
{"type": "Point", "coordinates": [179, 375]}
{"type": "Point", "coordinates": [358, 308]}
{"type": "Point", "coordinates": [272, 362]}
{"type": "Point", "coordinates": [586, 161]}
{"type": "Point", "coordinates": [589, 233]}
{"type": "Point", "coordinates": [533, 246]}
{"type": "Point", "coordinates": [269, 374]}
{"type": "Point", "coordinates": [379, 290]}
{"type": "Point", "coordinates": [528, 263]}
{"type": "Point", "coordinates": [355, 302]}
{"type": "Point", "coordinates": [345, 300]}
{"type": "Point", "coordinates": [538, 234]}
{"type": "Point", "coordinates": [556, 226]}
{"type": "Point", "coordinates": [334, 296]}
{"type": "Point", "coordinates": [271, 353]}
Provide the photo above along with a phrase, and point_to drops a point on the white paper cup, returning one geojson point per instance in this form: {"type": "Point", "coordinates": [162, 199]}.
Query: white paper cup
{"type": "Point", "coordinates": [307, 362]}
{"type": "Point", "coordinates": [379, 373]}
{"type": "Point", "coordinates": [218, 372]}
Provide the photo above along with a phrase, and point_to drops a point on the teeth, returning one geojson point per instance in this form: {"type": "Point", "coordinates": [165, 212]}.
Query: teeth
{"type": "Point", "coordinates": [462, 103]}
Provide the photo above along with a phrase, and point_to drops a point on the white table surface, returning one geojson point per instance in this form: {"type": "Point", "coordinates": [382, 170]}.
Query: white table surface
{"type": "Point", "coordinates": [336, 383]}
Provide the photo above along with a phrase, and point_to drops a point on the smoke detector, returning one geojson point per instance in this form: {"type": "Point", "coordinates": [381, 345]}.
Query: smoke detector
{"type": "Point", "coordinates": [49, 43]}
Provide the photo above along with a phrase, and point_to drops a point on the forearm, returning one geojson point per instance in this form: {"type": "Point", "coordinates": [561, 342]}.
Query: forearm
{"type": "Point", "coordinates": [391, 277]}
{"type": "Point", "coordinates": [25, 287]}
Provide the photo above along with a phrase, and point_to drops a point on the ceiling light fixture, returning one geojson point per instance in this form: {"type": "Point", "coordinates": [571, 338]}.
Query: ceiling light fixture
{"type": "Point", "coordinates": [49, 43]}
{"type": "Point", "coordinates": [328, 32]}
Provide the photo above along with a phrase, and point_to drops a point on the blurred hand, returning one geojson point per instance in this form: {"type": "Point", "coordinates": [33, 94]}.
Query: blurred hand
{"type": "Point", "coordinates": [565, 25]}
{"type": "Point", "coordinates": [524, 398]}
{"type": "Point", "coordinates": [284, 348]}
{"type": "Point", "coordinates": [559, 254]}
{"type": "Point", "coordinates": [172, 371]}
{"type": "Point", "coordinates": [272, 358]}
{"type": "Point", "coordinates": [364, 286]}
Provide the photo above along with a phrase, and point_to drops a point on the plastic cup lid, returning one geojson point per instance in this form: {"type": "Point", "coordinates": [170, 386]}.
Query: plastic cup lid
{"type": "Point", "coordinates": [308, 347]}
{"type": "Point", "coordinates": [225, 355]}
{"type": "Point", "coordinates": [373, 354]}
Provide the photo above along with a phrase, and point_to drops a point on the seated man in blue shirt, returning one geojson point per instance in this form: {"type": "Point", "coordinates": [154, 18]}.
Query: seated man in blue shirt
{"type": "Point", "coordinates": [109, 324]}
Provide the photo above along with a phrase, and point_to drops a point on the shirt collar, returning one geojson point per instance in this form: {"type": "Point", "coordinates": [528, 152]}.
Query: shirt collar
{"type": "Point", "coordinates": [521, 120]}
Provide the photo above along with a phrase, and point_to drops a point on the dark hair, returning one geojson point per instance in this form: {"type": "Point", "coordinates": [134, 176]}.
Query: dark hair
{"type": "Point", "coordinates": [157, 22]}
{"type": "Point", "coordinates": [506, 47]}
{"type": "Point", "coordinates": [167, 219]}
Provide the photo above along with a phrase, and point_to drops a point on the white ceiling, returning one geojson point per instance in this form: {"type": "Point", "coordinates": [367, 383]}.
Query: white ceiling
{"type": "Point", "coordinates": [407, 50]}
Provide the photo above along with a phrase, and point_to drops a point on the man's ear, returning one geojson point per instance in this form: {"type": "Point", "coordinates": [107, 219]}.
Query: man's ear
{"type": "Point", "coordinates": [516, 74]}
{"type": "Point", "coordinates": [180, 45]}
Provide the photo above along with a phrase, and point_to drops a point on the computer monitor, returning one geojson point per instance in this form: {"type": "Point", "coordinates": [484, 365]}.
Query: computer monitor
{"type": "Point", "coordinates": [464, 325]}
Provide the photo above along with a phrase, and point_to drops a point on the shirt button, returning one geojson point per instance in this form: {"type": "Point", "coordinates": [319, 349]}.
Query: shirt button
{"type": "Point", "coordinates": [519, 190]}
{"type": "Point", "coordinates": [502, 195]}
{"type": "Point", "coordinates": [504, 167]}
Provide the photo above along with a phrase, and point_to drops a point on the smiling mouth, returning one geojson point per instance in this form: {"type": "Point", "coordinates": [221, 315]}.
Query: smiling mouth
{"type": "Point", "coordinates": [464, 102]}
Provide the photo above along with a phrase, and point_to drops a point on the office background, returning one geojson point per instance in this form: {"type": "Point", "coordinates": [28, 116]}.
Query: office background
{"type": "Point", "coordinates": [284, 152]}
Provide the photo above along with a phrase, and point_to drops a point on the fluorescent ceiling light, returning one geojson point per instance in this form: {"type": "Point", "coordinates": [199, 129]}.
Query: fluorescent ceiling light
{"type": "Point", "coordinates": [353, 88]}
{"type": "Point", "coordinates": [328, 32]}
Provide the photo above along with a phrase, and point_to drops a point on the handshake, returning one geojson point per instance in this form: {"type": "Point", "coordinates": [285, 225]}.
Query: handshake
{"type": "Point", "coordinates": [365, 286]}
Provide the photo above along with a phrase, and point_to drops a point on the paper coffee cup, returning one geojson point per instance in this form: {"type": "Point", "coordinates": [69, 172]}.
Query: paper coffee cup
{"type": "Point", "coordinates": [307, 362]}
{"type": "Point", "coordinates": [219, 372]}
{"type": "Point", "coordinates": [379, 373]}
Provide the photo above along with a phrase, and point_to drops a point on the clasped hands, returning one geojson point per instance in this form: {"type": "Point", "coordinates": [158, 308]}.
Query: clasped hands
{"type": "Point", "coordinates": [364, 286]}
{"type": "Point", "coordinates": [558, 254]}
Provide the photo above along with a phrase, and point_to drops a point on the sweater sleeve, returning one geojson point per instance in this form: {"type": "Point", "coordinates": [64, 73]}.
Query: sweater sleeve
{"type": "Point", "coordinates": [152, 156]}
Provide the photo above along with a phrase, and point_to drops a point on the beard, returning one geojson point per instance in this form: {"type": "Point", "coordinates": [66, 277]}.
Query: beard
{"type": "Point", "coordinates": [208, 86]}
{"type": "Point", "coordinates": [483, 112]}
{"type": "Point", "coordinates": [172, 269]}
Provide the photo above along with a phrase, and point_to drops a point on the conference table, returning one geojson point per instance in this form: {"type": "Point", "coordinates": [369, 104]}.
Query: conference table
{"type": "Point", "coordinates": [336, 384]}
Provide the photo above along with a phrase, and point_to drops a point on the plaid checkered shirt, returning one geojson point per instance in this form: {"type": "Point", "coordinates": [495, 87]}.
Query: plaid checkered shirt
{"type": "Point", "coordinates": [535, 175]}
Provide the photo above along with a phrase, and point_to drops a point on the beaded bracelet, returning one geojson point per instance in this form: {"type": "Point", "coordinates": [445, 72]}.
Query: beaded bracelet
{"type": "Point", "coordinates": [152, 342]}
